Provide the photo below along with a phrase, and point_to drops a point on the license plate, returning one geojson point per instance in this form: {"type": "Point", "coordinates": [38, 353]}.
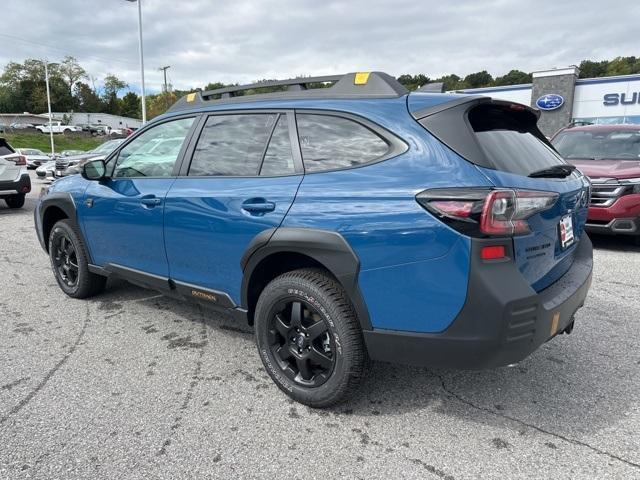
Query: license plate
{"type": "Point", "coordinates": [566, 231]}
{"type": "Point", "coordinates": [58, 173]}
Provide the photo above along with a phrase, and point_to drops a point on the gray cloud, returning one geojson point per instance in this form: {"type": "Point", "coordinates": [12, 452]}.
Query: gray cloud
{"type": "Point", "coordinates": [244, 40]}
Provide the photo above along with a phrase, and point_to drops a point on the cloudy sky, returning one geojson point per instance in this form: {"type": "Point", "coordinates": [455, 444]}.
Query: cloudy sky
{"type": "Point", "coordinates": [245, 40]}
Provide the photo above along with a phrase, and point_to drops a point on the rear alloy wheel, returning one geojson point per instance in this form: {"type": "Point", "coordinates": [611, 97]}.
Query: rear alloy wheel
{"type": "Point", "coordinates": [301, 343]}
{"type": "Point", "coordinates": [15, 201]}
{"type": "Point", "coordinates": [69, 262]}
{"type": "Point", "coordinates": [309, 338]}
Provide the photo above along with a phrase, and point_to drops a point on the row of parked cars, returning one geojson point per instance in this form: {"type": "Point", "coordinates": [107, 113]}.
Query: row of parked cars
{"type": "Point", "coordinates": [15, 182]}
{"type": "Point", "coordinates": [67, 162]}
{"type": "Point", "coordinates": [59, 127]}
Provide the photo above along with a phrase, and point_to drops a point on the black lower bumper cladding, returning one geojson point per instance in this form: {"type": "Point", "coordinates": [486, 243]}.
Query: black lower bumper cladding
{"type": "Point", "coordinates": [22, 185]}
{"type": "Point", "coordinates": [502, 322]}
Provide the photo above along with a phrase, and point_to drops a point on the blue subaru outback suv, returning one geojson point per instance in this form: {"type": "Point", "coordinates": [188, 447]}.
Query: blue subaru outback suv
{"type": "Point", "coordinates": [349, 223]}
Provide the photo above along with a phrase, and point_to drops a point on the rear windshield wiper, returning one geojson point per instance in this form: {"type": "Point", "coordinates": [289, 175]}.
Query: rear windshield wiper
{"type": "Point", "coordinates": [557, 171]}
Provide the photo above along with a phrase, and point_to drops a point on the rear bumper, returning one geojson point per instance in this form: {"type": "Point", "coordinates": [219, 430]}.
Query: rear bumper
{"type": "Point", "coordinates": [502, 322]}
{"type": "Point", "coordinates": [21, 185]}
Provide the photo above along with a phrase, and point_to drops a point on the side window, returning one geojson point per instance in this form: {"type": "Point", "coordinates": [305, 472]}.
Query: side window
{"type": "Point", "coordinates": [232, 145]}
{"type": "Point", "coordinates": [329, 142]}
{"type": "Point", "coordinates": [153, 153]}
{"type": "Point", "coordinates": [278, 159]}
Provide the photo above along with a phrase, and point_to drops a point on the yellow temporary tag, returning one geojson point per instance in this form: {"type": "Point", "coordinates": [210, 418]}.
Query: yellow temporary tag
{"type": "Point", "coordinates": [361, 78]}
{"type": "Point", "coordinates": [191, 97]}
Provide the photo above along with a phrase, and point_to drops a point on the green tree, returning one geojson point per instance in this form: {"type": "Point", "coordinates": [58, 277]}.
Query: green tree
{"type": "Point", "coordinates": [158, 104]}
{"type": "Point", "coordinates": [451, 82]}
{"type": "Point", "coordinates": [514, 77]}
{"type": "Point", "coordinates": [591, 69]}
{"type": "Point", "coordinates": [214, 86]}
{"type": "Point", "coordinates": [110, 101]}
{"type": "Point", "coordinates": [413, 82]}
{"type": "Point", "coordinates": [71, 72]}
{"type": "Point", "coordinates": [478, 79]}
{"type": "Point", "coordinates": [130, 106]}
{"type": "Point", "coordinates": [87, 100]}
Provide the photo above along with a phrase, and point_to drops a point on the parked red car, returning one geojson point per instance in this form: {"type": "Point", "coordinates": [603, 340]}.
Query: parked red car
{"type": "Point", "coordinates": [610, 156]}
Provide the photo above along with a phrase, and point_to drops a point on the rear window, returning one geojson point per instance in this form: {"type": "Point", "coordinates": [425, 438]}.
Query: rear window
{"type": "Point", "coordinates": [5, 148]}
{"type": "Point", "coordinates": [511, 140]}
{"type": "Point", "coordinates": [613, 144]}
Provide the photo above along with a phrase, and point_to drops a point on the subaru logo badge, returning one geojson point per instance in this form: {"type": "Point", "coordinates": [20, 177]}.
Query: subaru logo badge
{"type": "Point", "coordinates": [551, 101]}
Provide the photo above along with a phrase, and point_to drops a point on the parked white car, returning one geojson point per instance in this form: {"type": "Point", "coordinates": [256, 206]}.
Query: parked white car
{"type": "Point", "coordinates": [34, 157]}
{"type": "Point", "coordinates": [58, 127]}
{"type": "Point", "coordinates": [46, 170]}
{"type": "Point", "coordinates": [15, 182]}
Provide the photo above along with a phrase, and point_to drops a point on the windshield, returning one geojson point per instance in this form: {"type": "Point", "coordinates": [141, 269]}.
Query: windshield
{"type": "Point", "coordinates": [107, 147]}
{"type": "Point", "coordinates": [609, 144]}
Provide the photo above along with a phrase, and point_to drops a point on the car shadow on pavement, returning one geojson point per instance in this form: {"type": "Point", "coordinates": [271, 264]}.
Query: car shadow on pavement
{"type": "Point", "coordinates": [566, 387]}
{"type": "Point", "coordinates": [619, 243]}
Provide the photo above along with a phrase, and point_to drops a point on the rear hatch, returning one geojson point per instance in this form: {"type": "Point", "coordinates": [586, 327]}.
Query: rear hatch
{"type": "Point", "coordinates": [10, 162]}
{"type": "Point", "coordinates": [549, 196]}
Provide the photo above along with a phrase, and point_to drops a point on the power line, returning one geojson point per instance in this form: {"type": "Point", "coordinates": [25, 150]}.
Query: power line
{"type": "Point", "coordinates": [66, 52]}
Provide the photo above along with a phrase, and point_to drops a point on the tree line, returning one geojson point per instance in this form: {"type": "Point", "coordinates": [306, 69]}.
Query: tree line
{"type": "Point", "coordinates": [23, 89]}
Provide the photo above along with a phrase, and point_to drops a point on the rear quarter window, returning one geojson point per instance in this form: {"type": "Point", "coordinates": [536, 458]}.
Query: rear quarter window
{"type": "Point", "coordinates": [330, 142]}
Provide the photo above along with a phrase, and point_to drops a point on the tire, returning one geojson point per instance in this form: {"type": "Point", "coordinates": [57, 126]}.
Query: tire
{"type": "Point", "coordinates": [324, 305]}
{"type": "Point", "coordinates": [15, 201]}
{"type": "Point", "coordinates": [65, 242]}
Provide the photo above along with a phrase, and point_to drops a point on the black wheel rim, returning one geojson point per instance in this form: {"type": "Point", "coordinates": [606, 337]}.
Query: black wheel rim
{"type": "Point", "coordinates": [65, 260]}
{"type": "Point", "coordinates": [301, 343]}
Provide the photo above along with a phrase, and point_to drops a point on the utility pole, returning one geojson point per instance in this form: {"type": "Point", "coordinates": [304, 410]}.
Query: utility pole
{"type": "Point", "coordinates": [166, 90]}
{"type": "Point", "coordinates": [164, 72]}
{"type": "Point", "coordinates": [46, 80]}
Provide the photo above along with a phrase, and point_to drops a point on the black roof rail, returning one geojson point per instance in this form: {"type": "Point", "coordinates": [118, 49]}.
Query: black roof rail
{"type": "Point", "coordinates": [293, 84]}
{"type": "Point", "coordinates": [357, 84]}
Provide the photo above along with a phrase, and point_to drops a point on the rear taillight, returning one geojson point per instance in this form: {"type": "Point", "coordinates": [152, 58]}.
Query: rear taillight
{"type": "Point", "coordinates": [493, 252]}
{"type": "Point", "coordinates": [484, 212]}
{"type": "Point", "coordinates": [21, 160]}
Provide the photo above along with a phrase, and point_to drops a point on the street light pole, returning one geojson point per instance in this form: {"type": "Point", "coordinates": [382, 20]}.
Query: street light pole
{"type": "Point", "coordinates": [46, 80]}
{"type": "Point", "coordinates": [144, 107]}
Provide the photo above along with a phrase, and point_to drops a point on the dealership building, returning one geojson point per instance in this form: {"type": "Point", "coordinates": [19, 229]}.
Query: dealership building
{"type": "Point", "coordinates": [564, 98]}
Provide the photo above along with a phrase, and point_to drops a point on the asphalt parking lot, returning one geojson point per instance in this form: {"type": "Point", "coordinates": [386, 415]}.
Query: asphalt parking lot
{"type": "Point", "coordinates": [136, 385]}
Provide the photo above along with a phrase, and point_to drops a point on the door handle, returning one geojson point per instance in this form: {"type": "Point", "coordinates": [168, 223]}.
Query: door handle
{"type": "Point", "coordinates": [258, 205]}
{"type": "Point", "coordinates": [150, 201]}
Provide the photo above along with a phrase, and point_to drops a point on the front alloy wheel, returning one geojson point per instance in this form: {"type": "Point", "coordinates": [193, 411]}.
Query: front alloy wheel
{"type": "Point", "coordinates": [65, 260]}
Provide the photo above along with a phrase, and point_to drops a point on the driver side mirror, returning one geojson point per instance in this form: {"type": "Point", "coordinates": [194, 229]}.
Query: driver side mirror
{"type": "Point", "coordinates": [94, 170]}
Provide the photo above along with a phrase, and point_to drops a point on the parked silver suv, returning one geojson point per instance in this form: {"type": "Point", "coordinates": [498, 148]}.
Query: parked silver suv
{"type": "Point", "coordinates": [14, 178]}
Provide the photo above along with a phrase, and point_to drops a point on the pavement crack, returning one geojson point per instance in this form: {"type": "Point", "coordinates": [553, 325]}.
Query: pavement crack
{"type": "Point", "coordinates": [25, 401]}
{"type": "Point", "coordinates": [573, 441]}
{"type": "Point", "coordinates": [195, 380]}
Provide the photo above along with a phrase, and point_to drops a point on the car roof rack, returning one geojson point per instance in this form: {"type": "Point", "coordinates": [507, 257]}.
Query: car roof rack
{"type": "Point", "coordinates": [350, 85]}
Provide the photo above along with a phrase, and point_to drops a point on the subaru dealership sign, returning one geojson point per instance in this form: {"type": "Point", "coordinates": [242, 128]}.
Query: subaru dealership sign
{"type": "Point", "coordinates": [550, 101]}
